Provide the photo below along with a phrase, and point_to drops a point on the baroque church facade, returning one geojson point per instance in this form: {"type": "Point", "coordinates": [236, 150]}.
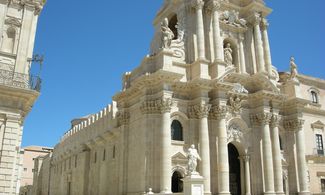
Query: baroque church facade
{"type": "Point", "coordinates": [18, 88]}
{"type": "Point", "coordinates": [208, 81]}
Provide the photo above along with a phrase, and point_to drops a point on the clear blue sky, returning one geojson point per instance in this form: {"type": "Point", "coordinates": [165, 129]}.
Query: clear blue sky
{"type": "Point", "coordinates": [89, 45]}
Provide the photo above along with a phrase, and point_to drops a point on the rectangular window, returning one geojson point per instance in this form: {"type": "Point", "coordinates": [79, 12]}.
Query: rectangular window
{"type": "Point", "coordinates": [319, 144]}
{"type": "Point", "coordinates": [322, 182]}
{"type": "Point", "coordinates": [25, 169]}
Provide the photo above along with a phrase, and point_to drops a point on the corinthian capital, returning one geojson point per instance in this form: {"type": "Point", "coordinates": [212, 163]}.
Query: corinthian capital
{"type": "Point", "coordinates": [261, 118]}
{"type": "Point", "coordinates": [264, 24]}
{"type": "Point", "coordinates": [215, 5]}
{"type": "Point", "coordinates": [165, 105]}
{"type": "Point", "coordinates": [198, 4]}
{"type": "Point", "coordinates": [294, 124]}
{"type": "Point", "coordinates": [219, 112]}
{"type": "Point", "coordinates": [199, 111]}
{"type": "Point", "coordinates": [257, 18]}
{"type": "Point", "coordinates": [275, 120]}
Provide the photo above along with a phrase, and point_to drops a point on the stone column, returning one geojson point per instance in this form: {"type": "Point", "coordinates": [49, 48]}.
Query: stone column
{"type": "Point", "coordinates": [259, 43]}
{"type": "Point", "coordinates": [267, 51]}
{"type": "Point", "coordinates": [242, 55]}
{"type": "Point", "coordinates": [223, 164]}
{"type": "Point", "coordinates": [214, 6]}
{"type": "Point", "coordinates": [242, 174]}
{"type": "Point", "coordinates": [198, 5]}
{"type": "Point", "coordinates": [202, 112]}
{"type": "Point", "coordinates": [263, 119]}
{"type": "Point", "coordinates": [278, 175]}
{"type": "Point", "coordinates": [165, 146]}
{"type": "Point", "coordinates": [297, 126]}
{"type": "Point", "coordinates": [247, 176]}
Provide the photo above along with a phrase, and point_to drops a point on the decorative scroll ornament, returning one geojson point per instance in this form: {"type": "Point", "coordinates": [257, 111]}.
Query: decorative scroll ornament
{"type": "Point", "coordinates": [178, 45]}
{"type": "Point", "coordinates": [238, 88]}
{"type": "Point", "coordinates": [235, 105]}
{"type": "Point", "coordinates": [234, 132]}
{"type": "Point", "coordinates": [232, 18]}
{"type": "Point", "coordinates": [199, 111]}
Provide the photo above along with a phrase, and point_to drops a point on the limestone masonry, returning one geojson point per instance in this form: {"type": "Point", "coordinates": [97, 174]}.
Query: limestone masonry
{"type": "Point", "coordinates": [208, 81]}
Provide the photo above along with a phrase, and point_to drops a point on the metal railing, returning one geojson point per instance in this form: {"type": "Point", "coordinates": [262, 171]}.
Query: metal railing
{"type": "Point", "coordinates": [19, 80]}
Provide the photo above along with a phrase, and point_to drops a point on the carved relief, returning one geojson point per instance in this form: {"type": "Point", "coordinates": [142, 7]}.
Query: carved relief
{"type": "Point", "coordinates": [238, 88]}
{"type": "Point", "coordinates": [232, 18]}
{"type": "Point", "coordinates": [156, 106]}
{"type": "Point", "coordinates": [199, 111]}
{"type": "Point", "coordinates": [234, 105]}
{"type": "Point", "coordinates": [260, 119]}
{"type": "Point", "coordinates": [234, 132]}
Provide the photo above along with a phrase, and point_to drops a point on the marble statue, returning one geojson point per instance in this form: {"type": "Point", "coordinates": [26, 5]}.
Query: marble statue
{"type": "Point", "coordinates": [293, 69]}
{"type": "Point", "coordinates": [167, 34]}
{"type": "Point", "coordinates": [228, 54]}
{"type": "Point", "coordinates": [192, 156]}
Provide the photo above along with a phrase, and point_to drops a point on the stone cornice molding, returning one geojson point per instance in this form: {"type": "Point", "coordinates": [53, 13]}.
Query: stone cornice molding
{"type": "Point", "coordinates": [199, 111]}
{"type": "Point", "coordinates": [197, 4]}
{"type": "Point", "coordinates": [219, 112]}
{"type": "Point", "coordinates": [260, 119]}
{"type": "Point", "coordinates": [294, 124]}
{"type": "Point", "coordinates": [275, 120]}
{"type": "Point", "coordinates": [156, 106]}
{"type": "Point", "coordinates": [36, 5]}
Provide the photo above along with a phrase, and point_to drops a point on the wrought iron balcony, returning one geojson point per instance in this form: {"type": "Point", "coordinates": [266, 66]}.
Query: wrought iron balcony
{"type": "Point", "coordinates": [19, 80]}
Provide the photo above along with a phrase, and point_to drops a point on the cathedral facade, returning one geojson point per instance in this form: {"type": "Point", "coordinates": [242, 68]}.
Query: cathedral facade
{"type": "Point", "coordinates": [208, 81]}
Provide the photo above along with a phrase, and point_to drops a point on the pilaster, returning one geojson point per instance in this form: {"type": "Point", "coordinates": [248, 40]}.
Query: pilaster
{"type": "Point", "coordinates": [258, 43]}
{"type": "Point", "coordinates": [266, 46]}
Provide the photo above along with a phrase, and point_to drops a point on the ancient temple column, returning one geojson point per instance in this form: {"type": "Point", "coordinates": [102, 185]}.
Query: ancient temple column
{"type": "Point", "coordinates": [202, 113]}
{"type": "Point", "coordinates": [247, 176]}
{"type": "Point", "coordinates": [198, 5]}
{"type": "Point", "coordinates": [267, 51]}
{"type": "Point", "coordinates": [166, 163]}
{"type": "Point", "coordinates": [223, 163]}
{"type": "Point", "coordinates": [278, 176]}
{"type": "Point", "coordinates": [242, 55]}
{"type": "Point", "coordinates": [258, 43]}
{"type": "Point", "coordinates": [297, 126]}
{"type": "Point", "coordinates": [214, 6]}
{"type": "Point", "coordinates": [263, 120]}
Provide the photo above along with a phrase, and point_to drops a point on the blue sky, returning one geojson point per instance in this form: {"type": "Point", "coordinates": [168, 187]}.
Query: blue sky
{"type": "Point", "coordinates": [88, 45]}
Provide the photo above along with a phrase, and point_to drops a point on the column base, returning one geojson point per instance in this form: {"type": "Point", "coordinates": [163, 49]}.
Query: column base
{"type": "Point", "coordinates": [269, 193]}
{"type": "Point", "coordinates": [304, 193]}
{"type": "Point", "coordinates": [248, 194]}
{"type": "Point", "coordinates": [224, 193]}
{"type": "Point", "coordinates": [280, 193]}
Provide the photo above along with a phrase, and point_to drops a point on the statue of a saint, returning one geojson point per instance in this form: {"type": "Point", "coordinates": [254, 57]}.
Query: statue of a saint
{"type": "Point", "coordinates": [293, 69]}
{"type": "Point", "coordinates": [167, 34]}
{"type": "Point", "coordinates": [192, 156]}
{"type": "Point", "coordinates": [228, 54]}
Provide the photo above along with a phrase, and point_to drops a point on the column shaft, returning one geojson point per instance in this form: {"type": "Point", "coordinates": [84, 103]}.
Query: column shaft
{"type": "Point", "coordinates": [242, 56]}
{"type": "Point", "coordinates": [267, 51]}
{"type": "Point", "coordinates": [166, 167]}
{"type": "Point", "coordinates": [259, 44]}
{"type": "Point", "coordinates": [200, 30]}
{"type": "Point", "coordinates": [218, 42]}
{"type": "Point", "coordinates": [301, 162]}
{"type": "Point", "coordinates": [205, 152]}
{"type": "Point", "coordinates": [247, 176]}
{"type": "Point", "coordinates": [278, 176]}
{"type": "Point", "coordinates": [223, 163]}
{"type": "Point", "coordinates": [267, 159]}
{"type": "Point", "coordinates": [242, 175]}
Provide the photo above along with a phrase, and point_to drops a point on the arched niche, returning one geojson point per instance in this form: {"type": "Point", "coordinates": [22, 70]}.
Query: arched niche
{"type": "Point", "coordinates": [236, 129]}
{"type": "Point", "coordinates": [234, 52]}
{"type": "Point", "coordinates": [173, 21]}
{"type": "Point", "coordinates": [183, 120]}
{"type": "Point", "coordinates": [9, 39]}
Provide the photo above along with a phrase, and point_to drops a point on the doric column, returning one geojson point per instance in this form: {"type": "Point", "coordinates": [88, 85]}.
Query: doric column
{"type": "Point", "coordinates": [259, 43]}
{"type": "Point", "coordinates": [263, 119]}
{"type": "Point", "coordinates": [242, 55]}
{"type": "Point", "coordinates": [220, 113]}
{"type": "Point", "coordinates": [247, 176]}
{"type": "Point", "coordinates": [267, 51]}
{"type": "Point", "coordinates": [165, 145]}
{"type": "Point", "coordinates": [202, 113]}
{"type": "Point", "coordinates": [198, 5]}
{"type": "Point", "coordinates": [214, 6]}
{"type": "Point", "coordinates": [297, 126]}
{"type": "Point", "coordinates": [278, 175]}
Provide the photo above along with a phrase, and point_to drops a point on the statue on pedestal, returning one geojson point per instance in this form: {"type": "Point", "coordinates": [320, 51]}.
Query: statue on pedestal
{"type": "Point", "coordinates": [228, 54]}
{"type": "Point", "coordinates": [167, 34]}
{"type": "Point", "coordinates": [293, 69]}
{"type": "Point", "coordinates": [192, 156]}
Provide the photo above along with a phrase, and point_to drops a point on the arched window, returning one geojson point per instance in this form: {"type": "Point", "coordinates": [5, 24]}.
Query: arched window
{"type": "Point", "coordinates": [177, 131]}
{"type": "Point", "coordinates": [177, 183]}
{"type": "Point", "coordinates": [314, 97]}
{"type": "Point", "coordinates": [173, 26]}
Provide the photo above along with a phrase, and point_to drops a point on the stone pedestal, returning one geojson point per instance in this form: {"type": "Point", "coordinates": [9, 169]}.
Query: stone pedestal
{"type": "Point", "coordinates": [193, 185]}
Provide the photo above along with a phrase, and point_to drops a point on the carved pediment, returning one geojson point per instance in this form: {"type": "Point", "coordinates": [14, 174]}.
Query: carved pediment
{"type": "Point", "coordinates": [318, 125]}
{"type": "Point", "coordinates": [179, 156]}
{"type": "Point", "coordinates": [13, 21]}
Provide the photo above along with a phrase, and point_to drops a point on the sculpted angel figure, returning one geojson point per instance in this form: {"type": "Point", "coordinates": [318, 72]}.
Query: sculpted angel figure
{"type": "Point", "coordinates": [228, 54]}
{"type": "Point", "coordinates": [293, 69]}
{"type": "Point", "coordinates": [192, 156]}
{"type": "Point", "coordinates": [167, 34]}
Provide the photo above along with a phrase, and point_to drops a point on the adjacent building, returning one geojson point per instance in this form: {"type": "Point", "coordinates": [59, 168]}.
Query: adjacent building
{"type": "Point", "coordinates": [208, 81]}
{"type": "Point", "coordinates": [18, 88]}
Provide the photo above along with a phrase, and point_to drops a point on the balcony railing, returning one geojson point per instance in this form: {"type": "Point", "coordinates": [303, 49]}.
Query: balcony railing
{"type": "Point", "coordinates": [19, 80]}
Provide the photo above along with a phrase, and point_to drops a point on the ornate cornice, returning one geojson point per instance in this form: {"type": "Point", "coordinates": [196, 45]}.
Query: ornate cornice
{"type": "Point", "coordinates": [294, 124]}
{"type": "Point", "coordinates": [219, 112]}
{"type": "Point", "coordinates": [260, 119]}
{"type": "Point", "coordinates": [156, 106]}
{"type": "Point", "coordinates": [199, 111]}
